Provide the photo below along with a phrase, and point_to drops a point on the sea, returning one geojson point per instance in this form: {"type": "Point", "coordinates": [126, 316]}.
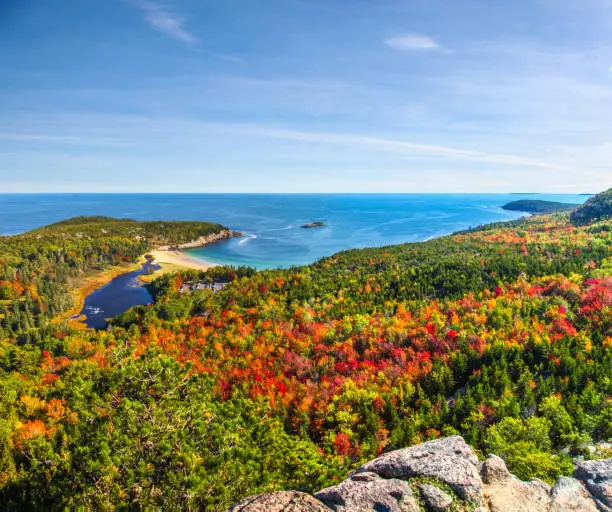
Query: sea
{"type": "Point", "coordinates": [271, 223]}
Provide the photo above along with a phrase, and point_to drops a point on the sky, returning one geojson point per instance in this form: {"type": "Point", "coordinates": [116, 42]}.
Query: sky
{"type": "Point", "coordinates": [306, 96]}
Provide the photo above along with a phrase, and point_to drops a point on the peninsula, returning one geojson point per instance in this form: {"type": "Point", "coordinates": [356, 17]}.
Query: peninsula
{"type": "Point", "coordinates": [536, 206]}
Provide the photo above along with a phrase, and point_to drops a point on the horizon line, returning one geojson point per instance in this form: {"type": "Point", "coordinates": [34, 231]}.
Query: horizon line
{"type": "Point", "coordinates": [297, 193]}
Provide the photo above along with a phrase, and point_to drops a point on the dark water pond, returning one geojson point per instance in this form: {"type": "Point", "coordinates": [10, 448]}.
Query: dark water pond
{"type": "Point", "coordinates": [116, 297]}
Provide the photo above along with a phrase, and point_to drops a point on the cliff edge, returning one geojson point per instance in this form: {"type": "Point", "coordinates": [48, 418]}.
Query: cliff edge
{"type": "Point", "coordinates": [445, 475]}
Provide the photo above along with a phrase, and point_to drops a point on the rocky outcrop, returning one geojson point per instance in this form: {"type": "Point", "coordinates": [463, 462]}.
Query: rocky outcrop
{"type": "Point", "coordinates": [504, 492]}
{"type": "Point", "coordinates": [569, 495]}
{"type": "Point", "coordinates": [368, 491]}
{"type": "Point", "coordinates": [283, 501]}
{"type": "Point", "coordinates": [202, 241]}
{"type": "Point", "coordinates": [597, 477]}
{"type": "Point", "coordinates": [448, 459]}
{"type": "Point", "coordinates": [445, 475]}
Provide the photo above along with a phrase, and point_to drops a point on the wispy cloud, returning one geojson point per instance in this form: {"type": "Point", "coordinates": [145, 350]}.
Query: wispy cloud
{"type": "Point", "coordinates": [160, 18]}
{"type": "Point", "coordinates": [229, 58]}
{"type": "Point", "coordinates": [387, 145]}
{"type": "Point", "coordinates": [142, 131]}
{"type": "Point", "coordinates": [412, 42]}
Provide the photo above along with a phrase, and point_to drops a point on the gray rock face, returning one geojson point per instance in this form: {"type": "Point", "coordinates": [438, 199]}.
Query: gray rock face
{"type": "Point", "coordinates": [435, 498]}
{"type": "Point", "coordinates": [494, 471]}
{"type": "Point", "coordinates": [597, 477]}
{"type": "Point", "coordinates": [449, 459]}
{"type": "Point", "coordinates": [284, 501]}
{"type": "Point", "coordinates": [569, 495]}
{"type": "Point", "coordinates": [368, 492]}
{"type": "Point", "coordinates": [513, 495]}
{"type": "Point", "coordinates": [506, 493]}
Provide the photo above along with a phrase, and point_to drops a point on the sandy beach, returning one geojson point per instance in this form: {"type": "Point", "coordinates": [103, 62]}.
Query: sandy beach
{"type": "Point", "coordinates": [178, 258]}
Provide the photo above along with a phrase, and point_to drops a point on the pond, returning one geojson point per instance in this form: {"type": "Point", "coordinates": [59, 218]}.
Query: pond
{"type": "Point", "coordinates": [122, 293]}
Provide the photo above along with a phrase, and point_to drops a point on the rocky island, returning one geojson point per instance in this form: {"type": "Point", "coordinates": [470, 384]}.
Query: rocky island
{"type": "Point", "coordinates": [311, 225]}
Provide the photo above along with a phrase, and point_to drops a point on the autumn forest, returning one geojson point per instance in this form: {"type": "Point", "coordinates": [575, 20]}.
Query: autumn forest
{"type": "Point", "coordinates": [288, 379]}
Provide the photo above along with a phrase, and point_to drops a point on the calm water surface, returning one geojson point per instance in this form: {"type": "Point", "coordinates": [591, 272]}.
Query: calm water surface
{"type": "Point", "coordinates": [116, 297]}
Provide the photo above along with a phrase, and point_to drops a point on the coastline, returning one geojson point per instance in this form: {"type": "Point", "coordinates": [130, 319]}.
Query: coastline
{"type": "Point", "coordinates": [173, 259]}
{"type": "Point", "coordinates": [177, 258]}
{"type": "Point", "coordinates": [169, 258]}
{"type": "Point", "coordinates": [224, 234]}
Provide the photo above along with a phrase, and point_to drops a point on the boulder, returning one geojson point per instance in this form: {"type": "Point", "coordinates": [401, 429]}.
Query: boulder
{"type": "Point", "coordinates": [448, 459]}
{"type": "Point", "coordinates": [494, 471]}
{"type": "Point", "coordinates": [435, 499]}
{"type": "Point", "coordinates": [597, 477]}
{"type": "Point", "coordinates": [516, 496]}
{"type": "Point", "coordinates": [368, 492]}
{"type": "Point", "coordinates": [506, 493]}
{"type": "Point", "coordinates": [284, 501]}
{"type": "Point", "coordinates": [569, 495]}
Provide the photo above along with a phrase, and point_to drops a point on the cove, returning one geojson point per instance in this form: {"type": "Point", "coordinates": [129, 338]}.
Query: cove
{"type": "Point", "coordinates": [112, 299]}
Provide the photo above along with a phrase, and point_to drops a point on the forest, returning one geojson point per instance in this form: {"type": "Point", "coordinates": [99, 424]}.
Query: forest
{"type": "Point", "coordinates": [288, 379]}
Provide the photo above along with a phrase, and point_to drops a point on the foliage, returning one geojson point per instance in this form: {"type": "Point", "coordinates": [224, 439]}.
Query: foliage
{"type": "Point", "coordinates": [597, 208]}
{"type": "Point", "coordinates": [290, 378]}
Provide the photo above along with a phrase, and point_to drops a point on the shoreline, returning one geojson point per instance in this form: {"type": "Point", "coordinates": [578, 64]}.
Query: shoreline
{"type": "Point", "coordinates": [89, 284]}
{"type": "Point", "coordinates": [224, 234]}
{"type": "Point", "coordinates": [174, 259]}
{"type": "Point", "coordinates": [170, 259]}
{"type": "Point", "coordinates": [178, 258]}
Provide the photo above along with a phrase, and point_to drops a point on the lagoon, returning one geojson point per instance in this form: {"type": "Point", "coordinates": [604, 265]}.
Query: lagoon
{"type": "Point", "coordinates": [123, 292]}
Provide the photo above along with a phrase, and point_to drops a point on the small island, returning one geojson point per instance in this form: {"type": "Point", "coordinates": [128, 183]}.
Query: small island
{"type": "Point", "coordinates": [311, 225]}
{"type": "Point", "coordinates": [537, 206]}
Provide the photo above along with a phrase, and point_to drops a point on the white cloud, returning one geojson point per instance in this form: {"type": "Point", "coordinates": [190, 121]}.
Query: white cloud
{"type": "Point", "coordinates": [412, 42]}
{"type": "Point", "coordinates": [167, 22]}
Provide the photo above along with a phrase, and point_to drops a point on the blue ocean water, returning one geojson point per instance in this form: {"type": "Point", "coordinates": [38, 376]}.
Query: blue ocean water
{"type": "Point", "coordinates": [271, 222]}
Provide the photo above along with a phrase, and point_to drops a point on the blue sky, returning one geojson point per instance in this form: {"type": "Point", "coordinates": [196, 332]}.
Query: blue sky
{"type": "Point", "coordinates": [305, 96]}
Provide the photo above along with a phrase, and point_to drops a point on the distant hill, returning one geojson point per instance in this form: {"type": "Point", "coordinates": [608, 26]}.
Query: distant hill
{"type": "Point", "coordinates": [537, 206]}
{"type": "Point", "coordinates": [597, 208]}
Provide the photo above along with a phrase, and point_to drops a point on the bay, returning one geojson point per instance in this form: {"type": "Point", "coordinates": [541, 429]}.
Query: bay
{"type": "Point", "coordinates": [271, 222]}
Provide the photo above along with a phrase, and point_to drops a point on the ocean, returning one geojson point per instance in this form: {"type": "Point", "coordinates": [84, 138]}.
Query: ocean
{"type": "Point", "coordinates": [271, 222]}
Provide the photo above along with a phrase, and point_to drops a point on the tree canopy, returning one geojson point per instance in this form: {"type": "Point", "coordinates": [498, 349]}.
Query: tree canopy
{"type": "Point", "coordinates": [289, 379]}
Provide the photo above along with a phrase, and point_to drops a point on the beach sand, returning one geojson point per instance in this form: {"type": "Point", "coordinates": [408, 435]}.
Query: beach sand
{"type": "Point", "coordinates": [179, 259]}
